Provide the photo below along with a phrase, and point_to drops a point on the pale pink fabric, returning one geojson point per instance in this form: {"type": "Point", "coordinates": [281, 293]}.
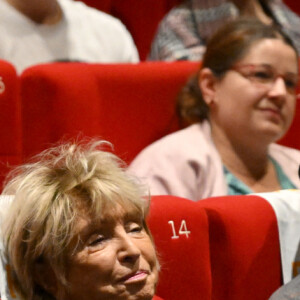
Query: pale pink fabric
{"type": "Point", "coordinates": [187, 164]}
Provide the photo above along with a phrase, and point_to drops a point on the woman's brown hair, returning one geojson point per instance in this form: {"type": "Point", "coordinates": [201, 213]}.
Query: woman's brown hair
{"type": "Point", "coordinates": [227, 46]}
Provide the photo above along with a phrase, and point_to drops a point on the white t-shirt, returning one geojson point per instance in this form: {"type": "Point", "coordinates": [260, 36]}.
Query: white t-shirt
{"type": "Point", "coordinates": [84, 34]}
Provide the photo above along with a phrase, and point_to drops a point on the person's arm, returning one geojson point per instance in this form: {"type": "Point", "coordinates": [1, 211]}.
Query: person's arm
{"type": "Point", "coordinates": [176, 38]}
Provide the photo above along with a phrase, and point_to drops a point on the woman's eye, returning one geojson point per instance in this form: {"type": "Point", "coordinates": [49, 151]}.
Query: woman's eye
{"type": "Point", "coordinates": [96, 241]}
{"type": "Point", "coordinates": [262, 75]}
{"type": "Point", "coordinates": [134, 228]}
{"type": "Point", "coordinates": [290, 83]}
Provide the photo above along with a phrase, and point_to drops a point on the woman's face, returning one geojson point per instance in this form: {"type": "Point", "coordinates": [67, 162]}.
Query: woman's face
{"type": "Point", "coordinates": [115, 259]}
{"type": "Point", "coordinates": [244, 107]}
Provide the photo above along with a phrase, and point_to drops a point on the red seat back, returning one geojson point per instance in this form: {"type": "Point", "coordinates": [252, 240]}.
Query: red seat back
{"type": "Point", "coordinates": [129, 105]}
{"type": "Point", "coordinates": [244, 247]}
{"type": "Point", "coordinates": [141, 17]}
{"type": "Point", "coordinates": [10, 119]}
{"type": "Point", "coordinates": [184, 255]}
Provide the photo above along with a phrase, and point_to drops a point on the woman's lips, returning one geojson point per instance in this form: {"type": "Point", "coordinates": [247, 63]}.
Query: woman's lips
{"type": "Point", "coordinates": [272, 113]}
{"type": "Point", "coordinates": [140, 275]}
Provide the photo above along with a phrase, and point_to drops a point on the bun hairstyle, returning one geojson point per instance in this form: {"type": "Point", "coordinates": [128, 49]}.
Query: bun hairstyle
{"type": "Point", "coordinates": [226, 47]}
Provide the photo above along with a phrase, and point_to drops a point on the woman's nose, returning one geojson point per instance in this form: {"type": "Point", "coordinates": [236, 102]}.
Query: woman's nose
{"type": "Point", "coordinates": [128, 252]}
{"type": "Point", "coordinates": [278, 88]}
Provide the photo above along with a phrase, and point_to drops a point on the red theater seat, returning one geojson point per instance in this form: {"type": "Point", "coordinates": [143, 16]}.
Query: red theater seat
{"type": "Point", "coordinates": [184, 255]}
{"type": "Point", "coordinates": [141, 17]}
{"type": "Point", "coordinates": [244, 247]}
{"type": "Point", "coordinates": [129, 105]}
{"type": "Point", "coordinates": [10, 119]}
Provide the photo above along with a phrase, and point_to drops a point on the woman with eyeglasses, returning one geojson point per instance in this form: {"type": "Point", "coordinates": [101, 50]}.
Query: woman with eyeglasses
{"type": "Point", "coordinates": [184, 31]}
{"type": "Point", "coordinates": [244, 99]}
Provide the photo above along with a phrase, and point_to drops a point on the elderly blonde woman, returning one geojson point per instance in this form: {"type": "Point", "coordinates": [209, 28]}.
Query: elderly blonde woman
{"type": "Point", "coordinates": [76, 228]}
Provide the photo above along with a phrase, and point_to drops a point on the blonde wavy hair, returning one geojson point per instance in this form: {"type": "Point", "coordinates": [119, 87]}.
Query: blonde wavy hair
{"type": "Point", "coordinates": [49, 193]}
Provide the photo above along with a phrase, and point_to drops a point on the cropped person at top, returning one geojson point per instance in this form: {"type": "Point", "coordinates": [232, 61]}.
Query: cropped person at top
{"type": "Point", "coordinates": [246, 100]}
{"type": "Point", "coordinates": [185, 30]}
{"type": "Point", "coordinates": [76, 229]}
{"type": "Point", "coordinates": [42, 31]}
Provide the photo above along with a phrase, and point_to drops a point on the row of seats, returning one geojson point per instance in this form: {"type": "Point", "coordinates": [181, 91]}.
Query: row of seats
{"type": "Point", "coordinates": [142, 17]}
{"type": "Point", "coordinates": [219, 248]}
{"type": "Point", "coordinates": [130, 105]}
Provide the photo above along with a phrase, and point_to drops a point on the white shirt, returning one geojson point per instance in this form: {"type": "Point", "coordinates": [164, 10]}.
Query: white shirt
{"type": "Point", "coordinates": [84, 34]}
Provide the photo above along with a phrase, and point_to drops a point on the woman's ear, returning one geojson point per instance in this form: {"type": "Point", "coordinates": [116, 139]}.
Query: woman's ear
{"type": "Point", "coordinates": [45, 277]}
{"type": "Point", "coordinates": [207, 81]}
